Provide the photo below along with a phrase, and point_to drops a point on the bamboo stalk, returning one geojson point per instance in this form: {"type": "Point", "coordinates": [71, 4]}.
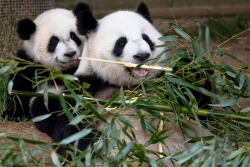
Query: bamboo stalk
{"type": "Point", "coordinates": [126, 64]}
{"type": "Point", "coordinates": [159, 130]}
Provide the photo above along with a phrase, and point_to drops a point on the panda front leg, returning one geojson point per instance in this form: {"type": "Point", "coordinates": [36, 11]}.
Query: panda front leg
{"type": "Point", "coordinates": [57, 125]}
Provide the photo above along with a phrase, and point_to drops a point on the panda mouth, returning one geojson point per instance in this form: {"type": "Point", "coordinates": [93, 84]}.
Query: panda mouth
{"type": "Point", "coordinates": [138, 72]}
{"type": "Point", "coordinates": [68, 62]}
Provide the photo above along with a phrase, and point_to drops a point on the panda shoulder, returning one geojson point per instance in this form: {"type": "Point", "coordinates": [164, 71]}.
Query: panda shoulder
{"type": "Point", "coordinates": [22, 54]}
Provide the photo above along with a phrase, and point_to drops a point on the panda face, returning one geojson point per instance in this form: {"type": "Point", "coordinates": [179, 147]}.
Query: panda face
{"type": "Point", "coordinates": [55, 41]}
{"type": "Point", "coordinates": [123, 36]}
{"type": "Point", "coordinates": [128, 37]}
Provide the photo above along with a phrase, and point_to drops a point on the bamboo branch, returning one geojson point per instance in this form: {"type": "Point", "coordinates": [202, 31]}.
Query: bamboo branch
{"type": "Point", "coordinates": [126, 64]}
{"type": "Point", "coordinates": [159, 107]}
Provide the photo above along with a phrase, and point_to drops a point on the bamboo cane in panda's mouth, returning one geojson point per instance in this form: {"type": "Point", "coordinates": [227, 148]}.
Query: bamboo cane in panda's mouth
{"type": "Point", "coordinates": [130, 65]}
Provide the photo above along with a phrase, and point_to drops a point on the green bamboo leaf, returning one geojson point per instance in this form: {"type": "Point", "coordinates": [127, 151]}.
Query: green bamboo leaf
{"type": "Point", "coordinates": [69, 77]}
{"type": "Point", "coordinates": [4, 69]}
{"type": "Point", "coordinates": [200, 31]}
{"type": "Point", "coordinates": [124, 151]}
{"type": "Point", "coordinates": [223, 53]}
{"type": "Point", "coordinates": [155, 88]}
{"type": "Point", "coordinates": [210, 94]}
{"type": "Point", "coordinates": [181, 96]}
{"type": "Point", "coordinates": [45, 95]}
{"type": "Point", "coordinates": [168, 38]}
{"type": "Point", "coordinates": [93, 111]}
{"type": "Point", "coordinates": [158, 137]}
{"type": "Point", "coordinates": [142, 121]}
{"type": "Point", "coordinates": [41, 118]}
{"type": "Point", "coordinates": [183, 83]}
{"type": "Point", "coordinates": [10, 86]}
{"type": "Point", "coordinates": [123, 100]}
{"type": "Point", "coordinates": [242, 81]}
{"type": "Point", "coordinates": [208, 162]}
{"type": "Point", "coordinates": [114, 98]}
{"type": "Point", "coordinates": [246, 161]}
{"type": "Point", "coordinates": [197, 47]}
{"type": "Point", "coordinates": [237, 161]}
{"type": "Point", "coordinates": [30, 141]}
{"type": "Point", "coordinates": [153, 163]}
{"type": "Point", "coordinates": [171, 3]}
{"type": "Point", "coordinates": [77, 136]}
{"type": "Point", "coordinates": [195, 163]}
{"type": "Point", "coordinates": [194, 105]}
{"type": "Point", "coordinates": [185, 159]}
{"type": "Point", "coordinates": [76, 120]}
{"type": "Point", "coordinates": [207, 39]}
{"type": "Point", "coordinates": [245, 110]}
{"type": "Point", "coordinates": [167, 45]}
{"type": "Point", "coordinates": [55, 159]}
{"type": "Point", "coordinates": [2, 134]}
{"type": "Point", "coordinates": [193, 100]}
{"type": "Point", "coordinates": [65, 108]}
{"type": "Point", "coordinates": [182, 33]}
{"type": "Point", "coordinates": [225, 103]}
{"type": "Point", "coordinates": [196, 147]}
{"type": "Point", "coordinates": [231, 74]}
{"type": "Point", "coordinates": [187, 129]}
{"type": "Point", "coordinates": [125, 121]}
{"type": "Point", "coordinates": [235, 153]}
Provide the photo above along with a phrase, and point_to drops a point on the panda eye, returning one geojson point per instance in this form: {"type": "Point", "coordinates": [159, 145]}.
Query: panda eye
{"type": "Point", "coordinates": [74, 37]}
{"type": "Point", "coordinates": [52, 44]}
{"type": "Point", "coordinates": [119, 46]}
{"type": "Point", "coordinates": [54, 40]}
{"type": "Point", "coordinates": [122, 41]}
{"type": "Point", "coordinates": [146, 38]}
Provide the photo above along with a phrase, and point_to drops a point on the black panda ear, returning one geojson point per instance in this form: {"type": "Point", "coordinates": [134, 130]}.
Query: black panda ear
{"type": "Point", "coordinates": [143, 10]}
{"type": "Point", "coordinates": [86, 21]}
{"type": "Point", "coordinates": [25, 28]}
{"type": "Point", "coordinates": [80, 7]}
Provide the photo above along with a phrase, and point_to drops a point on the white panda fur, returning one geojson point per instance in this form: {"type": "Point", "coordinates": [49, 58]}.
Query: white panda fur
{"type": "Point", "coordinates": [106, 78]}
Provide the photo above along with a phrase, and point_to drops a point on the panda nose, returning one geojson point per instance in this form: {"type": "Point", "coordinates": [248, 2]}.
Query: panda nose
{"type": "Point", "coordinates": [70, 54]}
{"type": "Point", "coordinates": [141, 56]}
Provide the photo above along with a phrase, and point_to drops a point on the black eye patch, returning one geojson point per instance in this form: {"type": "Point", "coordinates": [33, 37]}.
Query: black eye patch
{"type": "Point", "coordinates": [119, 46]}
{"type": "Point", "coordinates": [148, 40]}
{"type": "Point", "coordinates": [75, 38]}
{"type": "Point", "coordinates": [52, 44]}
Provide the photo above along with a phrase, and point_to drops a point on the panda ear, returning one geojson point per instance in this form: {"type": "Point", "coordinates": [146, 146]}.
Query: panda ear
{"type": "Point", "coordinates": [80, 7]}
{"type": "Point", "coordinates": [85, 21]}
{"type": "Point", "coordinates": [25, 28]}
{"type": "Point", "coordinates": [143, 10]}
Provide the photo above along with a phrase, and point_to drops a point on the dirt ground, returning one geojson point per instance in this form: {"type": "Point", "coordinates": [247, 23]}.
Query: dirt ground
{"type": "Point", "coordinates": [24, 129]}
{"type": "Point", "coordinates": [240, 49]}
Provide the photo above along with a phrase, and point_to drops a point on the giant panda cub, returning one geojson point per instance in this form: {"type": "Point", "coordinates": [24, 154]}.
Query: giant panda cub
{"type": "Point", "coordinates": [52, 40]}
{"type": "Point", "coordinates": [57, 124]}
{"type": "Point", "coordinates": [126, 36]}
